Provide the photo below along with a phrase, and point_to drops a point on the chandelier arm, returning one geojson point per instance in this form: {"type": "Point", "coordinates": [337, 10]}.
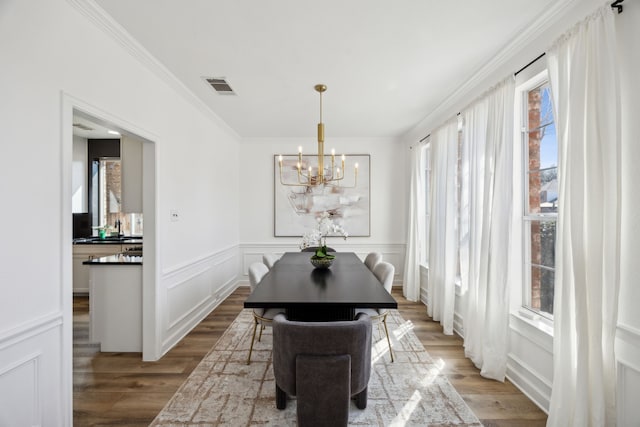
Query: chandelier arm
{"type": "Point", "coordinates": [333, 175]}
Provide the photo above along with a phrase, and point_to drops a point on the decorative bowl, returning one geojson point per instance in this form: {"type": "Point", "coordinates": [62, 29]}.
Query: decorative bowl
{"type": "Point", "coordinates": [321, 262]}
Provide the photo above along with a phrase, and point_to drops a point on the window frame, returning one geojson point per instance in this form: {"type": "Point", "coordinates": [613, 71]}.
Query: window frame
{"type": "Point", "coordinates": [426, 161]}
{"type": "Point", "coordinates": [528, 218]}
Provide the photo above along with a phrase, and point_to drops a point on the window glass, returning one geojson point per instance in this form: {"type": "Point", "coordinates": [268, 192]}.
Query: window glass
{"type": "Point", "coordinates": [426, 159]}
{"type": "Point", "coordinates": [541, 199]}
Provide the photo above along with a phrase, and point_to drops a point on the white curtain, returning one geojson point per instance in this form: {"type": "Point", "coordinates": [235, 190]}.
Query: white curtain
{"type": "Point", "coordinates": [584, 85]}
{"type": "Point", "coordinates": [485, 213]}
{"type": "Point", "coordinates": [443, 226]}
{"type": "Point", "coordinates": [416, 229]}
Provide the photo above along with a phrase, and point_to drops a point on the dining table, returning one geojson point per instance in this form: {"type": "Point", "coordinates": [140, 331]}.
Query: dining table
{"type": "Point", "coordinates": [306, 293]}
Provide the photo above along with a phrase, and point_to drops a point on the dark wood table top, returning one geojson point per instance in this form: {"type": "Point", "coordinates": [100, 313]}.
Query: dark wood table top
{"type": "Point", "coordinates": [293, 283]}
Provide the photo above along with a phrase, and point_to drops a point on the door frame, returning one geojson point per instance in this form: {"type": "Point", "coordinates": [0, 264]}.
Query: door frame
{"type": "Point", "coordinates": [151, 339]}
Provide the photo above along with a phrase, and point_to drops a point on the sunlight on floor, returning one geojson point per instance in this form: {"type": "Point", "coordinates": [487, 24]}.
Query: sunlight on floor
{"type": "Point", "coordinates": [405, 413]}
{"type": "Point", "coordinates": [402, 330]}
{"type": "Point", "coordinates": [379, 350]}
{"type": "Point", "coordinates": [407, 410]}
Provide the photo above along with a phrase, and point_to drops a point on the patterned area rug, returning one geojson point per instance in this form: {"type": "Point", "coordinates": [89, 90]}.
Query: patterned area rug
{"type": "Point", "coordinates": [224, 391]}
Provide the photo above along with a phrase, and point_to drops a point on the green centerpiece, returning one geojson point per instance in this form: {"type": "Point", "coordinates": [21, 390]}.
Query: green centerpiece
{"type": "Point", "coordinates": [321, 259]}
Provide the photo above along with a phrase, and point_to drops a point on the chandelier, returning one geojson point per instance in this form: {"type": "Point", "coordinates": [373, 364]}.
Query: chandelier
{"type": "Point", "coordinates": [321, 175]}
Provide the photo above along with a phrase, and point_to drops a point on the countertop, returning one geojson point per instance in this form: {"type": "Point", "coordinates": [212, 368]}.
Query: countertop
{"type": "Point", "coordinates": [124, 240]}
{"type": "Point", "coordinates": [119, 259]}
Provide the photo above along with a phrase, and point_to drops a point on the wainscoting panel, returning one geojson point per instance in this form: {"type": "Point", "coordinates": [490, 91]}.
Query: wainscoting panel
{"type": "Point", "coordinates": [194, 290]}
{"type": "Point", "coordinates": [424, 283]}
{"type": "Point", "coordinates": [534, 385]}
{"type": "Point", "coordinates": [29, 394]}
{"type": "Point", "coordinates": [530, 360]}
{"type": "Point", "coordinates": [628, 375]}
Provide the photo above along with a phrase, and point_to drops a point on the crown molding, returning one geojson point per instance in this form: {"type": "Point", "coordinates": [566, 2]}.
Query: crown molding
{"type": "Point", "coordinates": [542, 23]}
{"type": "Point", "coordinates": [118, 33]}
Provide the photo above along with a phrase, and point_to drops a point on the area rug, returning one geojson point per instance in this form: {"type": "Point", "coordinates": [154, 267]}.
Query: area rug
{"type": "Point", "coordinates": [224, 391]}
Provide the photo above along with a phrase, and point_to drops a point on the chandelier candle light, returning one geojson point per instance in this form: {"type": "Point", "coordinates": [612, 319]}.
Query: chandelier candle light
{"type": "Point", "coordinates": [330, 176]}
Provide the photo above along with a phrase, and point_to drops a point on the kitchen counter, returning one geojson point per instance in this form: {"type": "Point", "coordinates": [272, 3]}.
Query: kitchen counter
{"type": "Point", "coordinates": [119, 259]}
{"type": "Point", "coordinates": [115, 303]}
{"type": "Point", "coordinates": [126, 240]}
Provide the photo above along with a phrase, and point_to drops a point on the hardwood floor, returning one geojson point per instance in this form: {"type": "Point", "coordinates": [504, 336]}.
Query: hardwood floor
{"type": "Point", "coordinates": [120, 389]}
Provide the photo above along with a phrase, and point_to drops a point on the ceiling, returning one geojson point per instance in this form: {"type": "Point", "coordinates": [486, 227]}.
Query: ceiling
{"type": "Point", "coordinates": [92, 128]}
{"type": "Point", "coordinates": [387, 65]}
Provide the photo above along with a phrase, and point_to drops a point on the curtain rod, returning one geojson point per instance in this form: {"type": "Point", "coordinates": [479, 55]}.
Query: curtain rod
{"type": "Point", "coordinates": [528, 65]}
{"type": "Point", "coordinates": [430, 134]}
{"type": "Point", "coordinates": [617, 4]}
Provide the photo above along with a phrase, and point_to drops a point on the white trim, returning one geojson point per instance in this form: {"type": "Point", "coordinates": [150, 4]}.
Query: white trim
{"type": "Point", "coordinates": [623, 384]}
{"type": "Point", "coordinates": [532, 331]}
{"type": "Point", "coordinates": [628, 346]}
{"type": "Point", "coordinates": [151, 342]}
{"type": "Point", "coordinates": [30, 329]}
{"type": "Point", "coordinates": [119, 34]}
{"type": "Point", "coordinates": [32, 359]}
{"type": "Point", "coordinates": [518, 43]}
{"type": "Point", "coordinates": [629, 334]}
{"type": "Point", "coordinates": [530, 382]}
{"type": "Point", "coordinates": [179, 268]}
{"type": "Point", "coordinates": [197, 314]}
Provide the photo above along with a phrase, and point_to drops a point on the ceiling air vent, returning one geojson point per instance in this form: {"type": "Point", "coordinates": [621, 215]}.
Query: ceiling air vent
{"type": "Point", "coordinates": [81, 126]}
{"type": "Point", "coordinates": [220, 85]}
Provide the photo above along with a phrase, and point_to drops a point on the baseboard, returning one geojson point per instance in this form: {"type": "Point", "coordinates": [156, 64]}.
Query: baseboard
{"type": "Point", "coordinates": [531, 383]}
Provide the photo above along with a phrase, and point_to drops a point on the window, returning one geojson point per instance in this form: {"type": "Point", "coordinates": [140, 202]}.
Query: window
{"type": "Point", "coordinates": [110, 185]}
{"type": "Point", "coordinates": [106, 183]}
{"type": "Point", "coordinates": [540, 154]}
{"type": "Point", "coordinates": [426, 161]}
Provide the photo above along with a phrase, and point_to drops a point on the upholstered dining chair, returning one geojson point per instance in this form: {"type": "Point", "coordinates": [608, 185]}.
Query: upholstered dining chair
{"type": "Point", "coordinates": [323, 364]}
{"type": "Point", "coordinates": [315, 248]}
{"type": "Point", "coordinates": [261, 316]}
{"type": "Point", "coordinates": [372, 259]}
{"type": "Point", "coordinates": [269, 260]}
{"type": "Point", "coordinates": [384, 272]}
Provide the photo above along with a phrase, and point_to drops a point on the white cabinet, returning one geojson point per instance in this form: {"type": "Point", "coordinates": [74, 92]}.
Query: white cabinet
{"type": "Point", "coordinates": [83, 253]}
{"type": "Point", "coordinates": [115, 307]}
{"type": "Point", "coordinates": [131, 167]}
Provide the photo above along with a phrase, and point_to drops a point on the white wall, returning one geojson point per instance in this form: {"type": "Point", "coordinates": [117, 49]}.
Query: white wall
{"type": "Point", "coordinates": [628, 334]}
{"type": "Point", "coordinates": [388, 196]}
{"type": "Point", "coordinates": [530, 358]}
{"type": "Point", "coordinates": [57, 55]}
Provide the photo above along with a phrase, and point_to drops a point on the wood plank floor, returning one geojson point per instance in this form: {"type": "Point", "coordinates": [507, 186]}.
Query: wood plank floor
{"type": "Point", "coordinates": [119, 389]}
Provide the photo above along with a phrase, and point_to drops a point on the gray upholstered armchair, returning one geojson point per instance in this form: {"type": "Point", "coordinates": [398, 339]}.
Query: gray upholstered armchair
{"type": "Point", "coordinates": [323, 364]}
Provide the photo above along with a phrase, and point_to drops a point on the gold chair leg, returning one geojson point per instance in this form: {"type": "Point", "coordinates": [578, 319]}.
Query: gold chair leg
{"type": "Point", "coordinates": [253, 338]}
{"type": "Point", "coordinates": [261, 329]}
{"type": "Point", "coordinates": [384, 321]}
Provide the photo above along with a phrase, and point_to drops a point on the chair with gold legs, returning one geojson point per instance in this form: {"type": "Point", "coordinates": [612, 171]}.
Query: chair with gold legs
{"type": "Point", "coordinates": [261, 316]}
{"type": "Point", "coordinates": [384, 271]}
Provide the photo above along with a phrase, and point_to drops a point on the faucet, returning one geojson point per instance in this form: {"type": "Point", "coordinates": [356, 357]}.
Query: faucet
{"type": "Point", "coordinates": [118, 224]}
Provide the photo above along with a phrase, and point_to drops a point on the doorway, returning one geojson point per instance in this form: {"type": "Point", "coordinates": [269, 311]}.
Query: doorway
{"type": "Point", "coordinates": [76, 111]}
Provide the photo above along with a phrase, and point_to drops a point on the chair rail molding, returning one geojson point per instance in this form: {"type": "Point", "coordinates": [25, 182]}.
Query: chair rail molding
{"type": "Point", "coordinates": [391, 252]}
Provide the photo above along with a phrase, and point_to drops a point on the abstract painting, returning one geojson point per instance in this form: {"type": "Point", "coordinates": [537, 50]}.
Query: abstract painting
{"type": "Point", "coordinates": [296, 207]}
